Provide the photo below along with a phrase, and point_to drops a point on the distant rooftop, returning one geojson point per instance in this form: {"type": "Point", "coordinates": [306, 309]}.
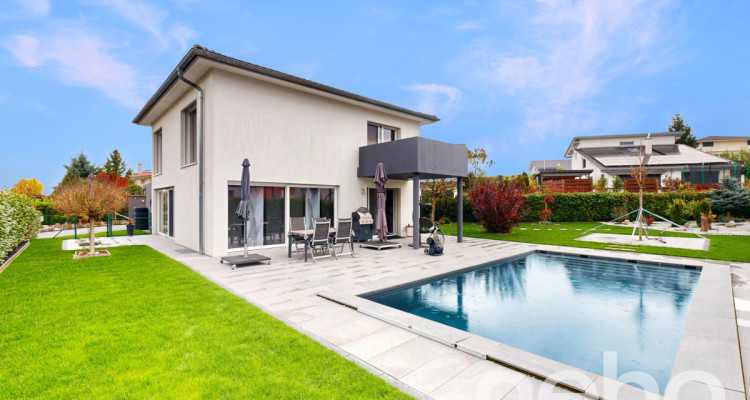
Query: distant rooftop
{"type": "Point", "coordinates": [550, 164]}
{"type": "Point", "coordinates": [577, 139]}
{"type": "Point", "coordinates": [722, 138]}
{"type": "Point", "coordinates": [625, 157]}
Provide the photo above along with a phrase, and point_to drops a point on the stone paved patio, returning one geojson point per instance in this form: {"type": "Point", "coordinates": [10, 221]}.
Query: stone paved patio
{"type": "Point", "coordinates": [288, 289]}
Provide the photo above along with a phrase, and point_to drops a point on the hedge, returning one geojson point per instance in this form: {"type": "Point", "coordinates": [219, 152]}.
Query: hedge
{"type": "Point", "coordinates": [19, 221]}
{"type": "Point", "coordinates": [576, 207]}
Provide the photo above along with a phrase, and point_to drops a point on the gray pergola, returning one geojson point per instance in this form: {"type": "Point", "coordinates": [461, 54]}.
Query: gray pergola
{"type": "Point", "coordinates": [419, 158]}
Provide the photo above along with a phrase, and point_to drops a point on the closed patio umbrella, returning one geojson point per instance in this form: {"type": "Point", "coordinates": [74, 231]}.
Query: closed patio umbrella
{"type": "Point", "coordinates": [381, 225]}
{"type": "Point", "coordinates": [245, 210]}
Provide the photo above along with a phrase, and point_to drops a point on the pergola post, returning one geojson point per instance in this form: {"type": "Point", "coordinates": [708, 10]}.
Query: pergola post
{"type": "Point", "coordinates": [415, 214]}
{"type": "Point", "coordinates": [460, 209]}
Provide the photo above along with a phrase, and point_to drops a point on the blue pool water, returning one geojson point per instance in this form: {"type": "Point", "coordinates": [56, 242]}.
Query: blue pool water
{"type": "Point", "coordinates": [566, 308]}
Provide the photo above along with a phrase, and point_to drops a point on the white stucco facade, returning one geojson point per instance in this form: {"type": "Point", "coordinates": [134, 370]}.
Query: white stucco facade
{"type": "Point", "coordinates": [293, 136]}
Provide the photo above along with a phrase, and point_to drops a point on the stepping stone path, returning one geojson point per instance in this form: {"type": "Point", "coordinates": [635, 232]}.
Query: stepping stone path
{"type": "Point", "coordinates": [563, 229]}
{"type": "Point", "coordinates": [536, 229]}
{"type": "Point", "coordinates": [523, 229]}
{"type": "Point", "coordinates": [579, 229]}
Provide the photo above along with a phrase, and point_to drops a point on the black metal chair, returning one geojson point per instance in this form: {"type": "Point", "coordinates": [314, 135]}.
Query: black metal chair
{"type": "Point", "coordinates": [320, 242]}
{"type": "Point", "coordinates": [343, 237]}
{"type": "Point", "coordinates": [297, 224]}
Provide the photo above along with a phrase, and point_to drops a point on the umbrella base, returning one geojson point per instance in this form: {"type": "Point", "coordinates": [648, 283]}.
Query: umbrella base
{"type": "Point", "coordinates": [380, 245]}
{"type": "Point", "coordinates": [236, 261]}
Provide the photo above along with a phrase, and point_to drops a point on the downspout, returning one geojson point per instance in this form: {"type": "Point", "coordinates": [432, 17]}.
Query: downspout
{"type": "Point", "coordinates": [200, 158]}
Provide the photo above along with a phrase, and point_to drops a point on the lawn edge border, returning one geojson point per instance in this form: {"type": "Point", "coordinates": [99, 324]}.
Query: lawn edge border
{"type": "Point", "coordinates": [18, 250]}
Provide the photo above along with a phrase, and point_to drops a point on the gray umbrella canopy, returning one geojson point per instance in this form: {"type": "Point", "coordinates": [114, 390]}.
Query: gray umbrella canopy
{"type": "Point", "coordinates": [381, 225]}
{"type": "Point", "coordinates": [244, 210]}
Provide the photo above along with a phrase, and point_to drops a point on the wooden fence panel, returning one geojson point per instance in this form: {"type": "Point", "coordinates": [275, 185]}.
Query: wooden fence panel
{"type": "Point", "coordinates": [650, 185]}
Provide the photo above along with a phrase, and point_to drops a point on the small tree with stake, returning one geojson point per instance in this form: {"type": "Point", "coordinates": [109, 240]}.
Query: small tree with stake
{"type": "Point", "coordinates": [91, 199]}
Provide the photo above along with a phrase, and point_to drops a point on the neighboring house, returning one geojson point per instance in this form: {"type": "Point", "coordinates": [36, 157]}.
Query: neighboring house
{"type": "Point", "coordinates": [542, 170]}
{"type": "Point", "coordinates": [313, 150]}
{"type": "Point", "coordinates": [617, 155]}
{"type": "Point", "coordinates": [724, 144]}
{"type": "Point", "coordinates": [141, 178]}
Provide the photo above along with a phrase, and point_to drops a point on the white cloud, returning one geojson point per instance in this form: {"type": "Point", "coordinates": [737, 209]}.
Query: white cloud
{"type": "Point", "coordinates": [468, 25]}
{"type": "Point", "coordinates": [24, 48]}
{"type": "Point", "coordinates": [577, 48]}
{"type": "Point", "coordinates": [152, 20]}
{"type": "Point", "coordinates": [182, 34]}
{"type": "Point", "coordinates": [79, 59]}
{"type": "Point", "coordinates": [37, 8]}
{"type": "Point", "coordinates": [436, 99]}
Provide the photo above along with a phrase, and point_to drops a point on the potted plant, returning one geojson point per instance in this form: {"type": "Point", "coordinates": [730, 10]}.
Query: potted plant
{"type": "Point", "coordinates": [130, 227]}
{"type": "Point", "coordinates": [706, 220]}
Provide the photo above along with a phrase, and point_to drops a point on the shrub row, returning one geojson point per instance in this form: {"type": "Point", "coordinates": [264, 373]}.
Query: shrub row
{"type": "Point", "coordinates": [577, 207]}
{"type": "Point", "coordinates": [19, 221]}
{"type": "Point", "coordinates": [599, 206]}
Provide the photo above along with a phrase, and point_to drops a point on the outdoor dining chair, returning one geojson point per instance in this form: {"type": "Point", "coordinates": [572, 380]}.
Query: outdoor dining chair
{"type": "Point", "coordinates": [343, 237]}
{"type": "Point", "coordinates": [297, 224]}
{"type": "Point", "coordinates": [320, 242]}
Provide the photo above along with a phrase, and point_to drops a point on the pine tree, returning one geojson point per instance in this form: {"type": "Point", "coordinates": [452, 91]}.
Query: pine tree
{"type": "Point", "coordinates": [678, 125]}
{"type": "Point", "coordinates": [115, 165]}
{"type": "Point", "coordinates": [731, 198]}
{"type": "Point", "coordinates": [80, 167]}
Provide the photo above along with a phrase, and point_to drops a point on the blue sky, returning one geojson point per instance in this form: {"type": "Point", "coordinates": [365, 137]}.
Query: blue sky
{"type": "Point", "coordinates": [517, 78]}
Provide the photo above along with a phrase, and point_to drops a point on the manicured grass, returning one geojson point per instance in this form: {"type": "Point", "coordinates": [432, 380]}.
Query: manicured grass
{"type": "Point", "coordinates": [730, 248]}
{"type": "Point", "coordinates": [141, 325]}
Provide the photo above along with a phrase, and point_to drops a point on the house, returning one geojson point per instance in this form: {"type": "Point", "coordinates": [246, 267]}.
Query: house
{"type": "Point", "coordinates": [724, 144]}
{"type": "Point", "coordinates": [313, 150]}
{"type": "Point", "coordinates": [141, 178]}
{"type": "Point", "coordinates": [617, 155]}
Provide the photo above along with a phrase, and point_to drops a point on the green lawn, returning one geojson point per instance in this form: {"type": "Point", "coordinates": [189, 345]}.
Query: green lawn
{"type": "Point", "coordinates": [141, 325]}
{"type": "Point", "coordinates": [730, 248]}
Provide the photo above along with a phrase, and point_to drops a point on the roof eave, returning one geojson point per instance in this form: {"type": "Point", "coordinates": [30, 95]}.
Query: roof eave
{"type": "Point", "coordinates": [199, 51]}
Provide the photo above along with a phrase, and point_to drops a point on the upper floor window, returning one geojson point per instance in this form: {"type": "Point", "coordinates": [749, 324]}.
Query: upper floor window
{"type": "Point", "coordinates": [190, 135]}
{"type": "Point", "coordinates": [626, 143]}
{"type": "Point", "coordinates": [748, 142]}
{"type": "Point", "coordinates": [584, 163]}
{"type": "Point", "coordinates": [380, 134]}
{"type": "Point", "coordinates": [157, 152]}
{"type": "Point", "coordinates": [708, 144]}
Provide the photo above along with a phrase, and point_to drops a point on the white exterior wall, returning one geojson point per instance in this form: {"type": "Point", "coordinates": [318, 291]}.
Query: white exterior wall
{"type": "Point", "coordinates": [184, 180]}
{"type": "Point", "coordinates": [725, 145]}
{"type": "Point", "coordinates": [291, 137]}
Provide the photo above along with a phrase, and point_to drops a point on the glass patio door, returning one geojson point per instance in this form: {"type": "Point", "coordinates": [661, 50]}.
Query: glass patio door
{"type": "Point", "coordinates": [166, 222]}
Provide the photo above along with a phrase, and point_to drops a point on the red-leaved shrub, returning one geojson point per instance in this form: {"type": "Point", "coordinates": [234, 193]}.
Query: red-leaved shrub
{"type": "Point", "coordinates": [498, 206]}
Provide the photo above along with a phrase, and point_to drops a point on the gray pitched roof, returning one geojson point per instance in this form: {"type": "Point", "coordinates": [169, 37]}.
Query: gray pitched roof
{"type": "Point", "coordinates": [722, 138]}
{"type": "Point", "coordinates": [200, 51]}
{"type": "Point", "coordinates": [663, 156]}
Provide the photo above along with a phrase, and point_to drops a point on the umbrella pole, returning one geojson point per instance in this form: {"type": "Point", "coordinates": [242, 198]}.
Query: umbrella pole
{"type": "Point", "coordinates": [245, 239]}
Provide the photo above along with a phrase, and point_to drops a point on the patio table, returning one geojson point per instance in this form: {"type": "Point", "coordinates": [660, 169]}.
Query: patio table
{"type": "Point", "coordinates": [306, 236]}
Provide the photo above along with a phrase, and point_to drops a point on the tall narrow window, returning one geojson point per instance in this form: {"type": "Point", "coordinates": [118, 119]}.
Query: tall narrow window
{"type": "Point", "coordinates": [380, 134]}
{"type": "Point", "coordinates": [584, 163]}
{"type": "Point", "coordinates": [157, 152]}
{"type": "Point", "coordinates": [189, 135]}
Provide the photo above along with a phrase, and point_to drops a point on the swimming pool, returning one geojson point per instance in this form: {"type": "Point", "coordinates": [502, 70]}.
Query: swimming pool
{"type": "Point", "coordinates": [570, 309]}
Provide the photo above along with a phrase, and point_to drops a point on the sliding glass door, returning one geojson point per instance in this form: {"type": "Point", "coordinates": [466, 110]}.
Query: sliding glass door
{"type": "Point", "coordinates": [311, 203]}
{"type": "Point", "coordinates": [165, 198]}
{"type": "Point", "coordinates": [266, 227]}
